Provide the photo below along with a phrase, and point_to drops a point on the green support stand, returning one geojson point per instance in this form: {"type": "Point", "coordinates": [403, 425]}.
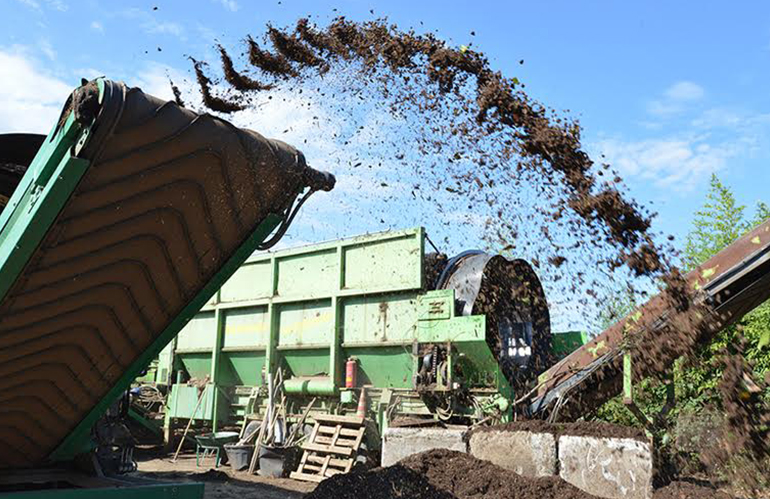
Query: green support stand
{"type": "Point", "coordinates": [651, 425]}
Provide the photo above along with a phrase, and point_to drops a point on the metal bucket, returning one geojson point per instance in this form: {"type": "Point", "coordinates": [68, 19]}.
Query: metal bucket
{"type": "Point", "coordinates": [239, 456]}
{"type": "Point", "coordinates": [271, 461]}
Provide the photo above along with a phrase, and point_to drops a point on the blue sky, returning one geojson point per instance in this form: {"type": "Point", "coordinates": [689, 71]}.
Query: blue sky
{"type": "Point", "coordinates": [669, 92]}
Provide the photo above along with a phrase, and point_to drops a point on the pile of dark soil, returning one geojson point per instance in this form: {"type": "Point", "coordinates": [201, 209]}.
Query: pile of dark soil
{"type": "Point", "coordinates": [212, 476]}
{"type": "Point", "coordinates": [396, 481]}
{"type": "Point", "coordinates": [444, 474]}
{"type": "Point", "coordinates": [579, 429]}
{"type": "Point", "coordinates": [687, 490]}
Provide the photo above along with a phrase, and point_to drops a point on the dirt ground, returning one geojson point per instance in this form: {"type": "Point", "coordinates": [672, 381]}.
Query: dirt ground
{"type": "Point", "coordinates": [222, 483]}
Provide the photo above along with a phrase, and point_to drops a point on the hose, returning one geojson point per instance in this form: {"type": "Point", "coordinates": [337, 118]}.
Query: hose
{"type": "Point", "coordinates": [288, 218]}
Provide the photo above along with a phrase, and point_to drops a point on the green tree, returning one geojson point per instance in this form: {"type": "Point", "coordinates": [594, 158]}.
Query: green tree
{"type": "Point", "coordinates": [762, 213]}
{"type": "Point", "coordinates": [720, 222]}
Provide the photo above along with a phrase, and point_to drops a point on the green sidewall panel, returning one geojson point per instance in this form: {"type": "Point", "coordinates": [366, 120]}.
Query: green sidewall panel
{"type": "Point", "coordinates": [197, 365]}
{"type": "Point", "coordinates": [241, 368]}
{"type": "Point", "coordinates": [384, 366]}
{"type": "Point", "coordinates": [311, 362]}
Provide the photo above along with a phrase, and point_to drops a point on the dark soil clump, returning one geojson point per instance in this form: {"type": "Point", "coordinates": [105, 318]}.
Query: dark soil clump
{"type": "Point", "coordinates": [177, 94]}
{"type": "Point", "coordinates": [687, 490]}
{"type": "Point", "coordinates": [744, 446]}
{"type": "Point", "coordinates": [212, 476]}
{"type": "Point", "coordinates": [293, 49]}
{"type": "Point", "coordinates": [444, 474]}
{"type": "Point", "coordinates": [270, 63]}
{"type": "Point", "coordinates": [210, 100]}
{"type": "Point", "coordinates": [236, 79]}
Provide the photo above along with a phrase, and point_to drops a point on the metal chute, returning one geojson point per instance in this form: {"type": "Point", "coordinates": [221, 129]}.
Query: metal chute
{"type": "Point", "coordinates": [132, 214]}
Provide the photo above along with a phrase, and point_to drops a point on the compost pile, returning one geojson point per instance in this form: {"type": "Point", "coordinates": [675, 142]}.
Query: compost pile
{"type": "Point", "coordinates": [443, 474]}
{"type": "Point", "coordinates": [446, 474]}
{"type": "Point", "coordinates": [476, 141]}
{"type": "Point", "coordinates": [686, 490]}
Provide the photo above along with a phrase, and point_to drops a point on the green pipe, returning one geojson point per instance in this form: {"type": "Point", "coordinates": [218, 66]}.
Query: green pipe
{"type": "Point", "coordinates": [309, 386]}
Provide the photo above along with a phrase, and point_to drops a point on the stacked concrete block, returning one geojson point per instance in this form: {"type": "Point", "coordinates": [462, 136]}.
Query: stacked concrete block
{"type": "Point", "coordinates": [616, 468]}
{"type": "Point", "coordinates": [523, 452]}
{"type": "Point", "coordinates": [398, 443]}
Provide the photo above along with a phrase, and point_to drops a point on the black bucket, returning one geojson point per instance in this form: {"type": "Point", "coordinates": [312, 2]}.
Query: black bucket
{"type": "Point", "coordinates": [239, 456]}
{"type": "Point", "coordinates": [271, 461]}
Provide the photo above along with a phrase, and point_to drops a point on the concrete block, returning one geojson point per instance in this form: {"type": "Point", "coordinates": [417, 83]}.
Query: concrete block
{"type": "Point", "coordinates": [615, 468]}
{"type": "Point", "coordinates": [398, 443]}
{"type": "Point", "coordinates": [523, 452]}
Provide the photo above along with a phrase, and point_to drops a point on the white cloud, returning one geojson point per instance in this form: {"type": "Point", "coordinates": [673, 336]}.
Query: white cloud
{"type": "Point", "coordinates": [47, 49]}
{"type": "Point", "coordinates": [97, 26]}
{"type": "Point", "coordinates": [154, 80]}
{"type": "Point", "coordinates": [675, 99]}
{"type": "Point", "coordinates": [663, 109]}
{"type": "Point", "coordinates": [59, 5]}
{"type": "Point", "coordinates": [87, 73]}
{"type": "Point", "coordinates": [30, 98]}
{"type": "Point", "coordinates": [167, 28]}
{"type": "Point", "coordinates": [685, 91]}
{"type": "Point", "coordinates": [206, 34]}
{"type": "Point", "coordinates": [731, 119]}
{"type": "Point", "coordinates": [677, 163]}
{"type": "Point", "coordinates": [150, 24]}
{"type": "Point", "coordinates": [30, 3]}
{"type": "Point", "coordinates": [230, 5]}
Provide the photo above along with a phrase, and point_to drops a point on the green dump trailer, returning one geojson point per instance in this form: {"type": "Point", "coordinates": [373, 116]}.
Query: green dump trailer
{"type": "Point", "coordinates": [427, 339]}
{"type": "Point", "coordinates": [129, 216]}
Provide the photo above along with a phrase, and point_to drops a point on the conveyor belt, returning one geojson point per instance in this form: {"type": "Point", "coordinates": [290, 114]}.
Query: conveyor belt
{"type": "Point", "coordinates": [730, 284]}
{"type": "Point", "coordinates": [132, 214]}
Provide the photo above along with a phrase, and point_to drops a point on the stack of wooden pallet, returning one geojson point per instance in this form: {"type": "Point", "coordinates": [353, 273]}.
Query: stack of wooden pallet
{"type": "Point", "coordinates": [332, 447]}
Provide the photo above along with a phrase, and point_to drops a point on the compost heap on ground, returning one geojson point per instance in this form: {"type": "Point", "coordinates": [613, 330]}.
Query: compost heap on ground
{"type": "Point", "coordinates": [446, 474]}
{"type": "Point", "coordinates": [485, 143]}
{"type": "Point", "coordinates": [443, 474]}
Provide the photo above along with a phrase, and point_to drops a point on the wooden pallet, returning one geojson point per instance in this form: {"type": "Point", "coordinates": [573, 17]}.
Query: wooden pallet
{"type": "Point", "coordinates": [331, 448]}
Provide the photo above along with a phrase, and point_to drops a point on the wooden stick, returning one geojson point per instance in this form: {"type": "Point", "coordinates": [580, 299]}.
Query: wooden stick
{"type": "Point", "coordinates": [189, 423]}
{"type": "Point", "coordinates": [246, 413]}
{"type": "Point", "coordinates": [257, 445]}
{"type": "Point", "coordinates": [282, 416]}
{"type": "Point", "coordinates": [273, 421]}
{"type": "Point", "coordinates": [301, 422]}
